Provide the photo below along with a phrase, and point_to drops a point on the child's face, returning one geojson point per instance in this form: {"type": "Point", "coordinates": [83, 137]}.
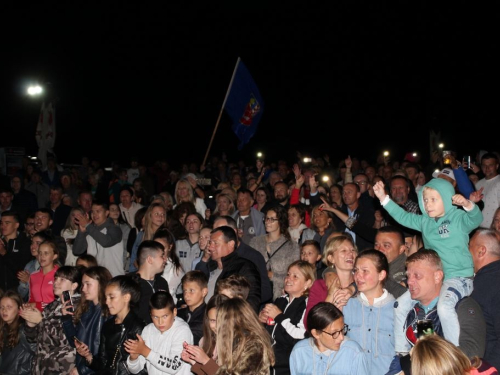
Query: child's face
{"type": "Point", "coordinates": [115, 300]}
{"type": "Point", "coordinates": [46, 256]}
{"type": "Point", "coordinates": [35, 244]}
{"type": "Point", "coordinates": [9, 309]}
{"type": "Point", "coordinates": [433, 203]}
{"type": "Point", "coordinates": [90, 288]}
{"type": "Point", "coordinates": [61, 284]}
{"type": "Point", "coordinates": [295, 282]}
{"type": "Point", "coordinates": [192, 224]}
{"type": "Point", "coordinates": [310, 254]}
{"type": "Point", "coordinates": [194, 295]}
{"type": "Point", "coordinates": [212, 319]}
{"type": "Point", "coordinates": [163, 319]}
{"type": "Point", "coordinates": [204, 238]}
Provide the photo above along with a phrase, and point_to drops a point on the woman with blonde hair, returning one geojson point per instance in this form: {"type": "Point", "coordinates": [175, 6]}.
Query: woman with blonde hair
{"type": "Point", "coordinates": [337, 284]}
{"type": "Point", "coordinates": [243, 345]}
{"type": "Point", "coordinates": [224, 207]}
{"type": "Point", "coordinates": [433, 355]}
{"type": "Point", "coordinates": [184, 192]}
{"type": "Point", "coordinates": [154, 218]}
{"type": "Point", "coordinates": [284, 317]}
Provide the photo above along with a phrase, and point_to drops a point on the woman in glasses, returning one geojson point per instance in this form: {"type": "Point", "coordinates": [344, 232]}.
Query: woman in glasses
{"type": "Point", "coordinates": [277, 248]}
{"type": "Point", "coordinates": [328, 351]}
{"type": "Point", "coordinates": [370, 316]}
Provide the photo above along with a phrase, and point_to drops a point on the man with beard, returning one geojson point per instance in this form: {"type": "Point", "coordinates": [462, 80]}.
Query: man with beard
{"type": "Point", "coordinates": [281, 195]}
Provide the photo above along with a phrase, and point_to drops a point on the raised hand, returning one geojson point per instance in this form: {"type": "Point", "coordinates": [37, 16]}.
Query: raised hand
{"type": "Point", "coordinates": [379, 190]}
{"type": "Point", "coordinates": [476, 196]}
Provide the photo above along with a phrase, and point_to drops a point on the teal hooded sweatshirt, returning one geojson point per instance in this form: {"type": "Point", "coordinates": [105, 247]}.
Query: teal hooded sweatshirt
{"type": "Point", "coordinates": [447, 235]}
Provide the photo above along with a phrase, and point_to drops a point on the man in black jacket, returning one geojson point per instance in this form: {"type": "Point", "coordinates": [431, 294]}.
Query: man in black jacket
{"type": "Point", "coordinates": [244, 251]}
{"type": "Point", "coordinates": [14, 250]}
{"type": "Point", "coordinates": [222, 246]}
{"type": "Point", "coordinates": [151, 258]}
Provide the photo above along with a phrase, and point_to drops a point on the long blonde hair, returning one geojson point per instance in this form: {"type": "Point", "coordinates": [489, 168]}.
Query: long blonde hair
{"type": "Point", "coordinates": [240, 338]}
{"type": "Point", "coordinates": [433, 355]}
{"type": "Point", "coordinates": [148, 229]}
{"type": "Point", "coordinates": [191, 197]}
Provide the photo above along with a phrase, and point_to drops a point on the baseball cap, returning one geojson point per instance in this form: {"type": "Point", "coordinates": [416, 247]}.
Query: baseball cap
{"type": "Point", "coordinates": [446, 171]}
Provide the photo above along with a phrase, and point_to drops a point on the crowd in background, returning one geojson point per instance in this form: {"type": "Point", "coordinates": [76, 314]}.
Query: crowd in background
{"type": "Point", "coordinates": [274, 267]}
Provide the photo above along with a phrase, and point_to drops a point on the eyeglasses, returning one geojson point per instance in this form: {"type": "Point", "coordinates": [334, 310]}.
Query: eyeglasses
{"type": "Point", "coordinates": [360, 183]}
{"type": "Point", "coordinates": [337, 333]}
{"type": "Point", "coordinates": [270, 219]}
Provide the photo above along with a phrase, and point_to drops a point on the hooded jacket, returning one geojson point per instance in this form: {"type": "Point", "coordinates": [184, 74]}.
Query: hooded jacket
{"type": "Point", "coordinates": [447, 235]}
{"type": "Point", "coordinates": [372, 327]}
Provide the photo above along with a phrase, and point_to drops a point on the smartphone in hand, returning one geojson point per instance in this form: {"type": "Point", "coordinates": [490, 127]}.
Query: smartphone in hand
{"type": "Point", "coordinates": [67, 297]}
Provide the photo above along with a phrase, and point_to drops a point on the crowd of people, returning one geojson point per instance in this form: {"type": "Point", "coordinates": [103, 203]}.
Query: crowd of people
{"type": "Point", "coordinates": [275, 268]}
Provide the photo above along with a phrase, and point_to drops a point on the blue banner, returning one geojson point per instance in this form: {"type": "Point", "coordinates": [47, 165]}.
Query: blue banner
{"type": "Point", "coordinates": [244, 105]}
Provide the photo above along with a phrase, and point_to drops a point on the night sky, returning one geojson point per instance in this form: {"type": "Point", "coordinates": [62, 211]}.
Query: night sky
{"type": "Point", "coordinates": [348, 78]}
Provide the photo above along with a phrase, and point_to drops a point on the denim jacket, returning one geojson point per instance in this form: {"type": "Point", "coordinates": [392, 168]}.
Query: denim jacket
{"type": "Point", "coordinates": [372, 327]}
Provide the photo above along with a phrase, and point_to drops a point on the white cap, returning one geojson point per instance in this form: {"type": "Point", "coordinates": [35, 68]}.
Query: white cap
{"type": "Point", "coordinates": [446, 171]}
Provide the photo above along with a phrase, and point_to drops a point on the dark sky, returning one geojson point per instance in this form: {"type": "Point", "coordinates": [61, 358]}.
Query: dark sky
{"type": "Point", "coordinates": [347, 78]}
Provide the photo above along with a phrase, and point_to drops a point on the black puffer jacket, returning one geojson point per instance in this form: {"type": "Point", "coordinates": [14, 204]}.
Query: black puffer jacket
{"type": "Point", "coordinates": [17, 360]}
{"type": "Point", "coordinates": [112, 357]}
{"type": "Point", "coordinates": [88, 331]}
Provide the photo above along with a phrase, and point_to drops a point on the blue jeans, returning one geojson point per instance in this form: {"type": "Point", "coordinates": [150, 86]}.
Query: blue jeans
{"type": "Point", "coordinates": [452, 291]}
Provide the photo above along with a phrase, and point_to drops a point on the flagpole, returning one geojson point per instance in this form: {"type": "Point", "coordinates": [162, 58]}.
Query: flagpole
{"type": "Point", "coordinates": [221, 110]}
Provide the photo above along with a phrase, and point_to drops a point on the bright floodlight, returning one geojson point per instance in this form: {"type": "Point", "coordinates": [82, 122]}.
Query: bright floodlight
{"type": "Point", "coordinates": [34, 90]}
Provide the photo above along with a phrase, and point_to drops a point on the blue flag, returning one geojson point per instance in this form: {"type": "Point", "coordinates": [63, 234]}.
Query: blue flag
{"type": "Point", "coordinates": [244, 104]}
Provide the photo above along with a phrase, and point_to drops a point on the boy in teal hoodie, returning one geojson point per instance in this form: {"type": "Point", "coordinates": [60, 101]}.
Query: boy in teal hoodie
{"type": "Point", "coordinates": [445, 228]}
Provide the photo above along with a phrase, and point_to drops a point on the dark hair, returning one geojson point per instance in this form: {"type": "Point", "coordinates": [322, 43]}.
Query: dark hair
{"type": "Point", "coordinates": [393, 229]}
{"type": "Point", "coordinates": [161, 300]}
{"type": "Point", "coordinates": [313, 243]}
{"type": "Point", "coordinates": [264, 189]}
{"type": "Point", "coordinates": [195, 276]}
{"type": "Point", "coordinates": [379, 261]}
{"type": "Point", "coordinates": [167, 236]}
{"type": "Point", "coordinates": [45, 210]}
{"type": "Point", "coordinates": [301, 210]}
{"type": "Point", "coordinates": [200, 218]}
{"type": "Point", "coordinates": [127, 188]}
{"type": "Point", "coordinates": [322, 315]}
{"type": "Point", "coordinates": [102, 276]}
{"type": "Point", "coordinates": [282, 216]}
{"type": "Point", "coordinates": [244, 190]}
{"type": "Point", "coordinates": [12, 214]}
{"type": "Point", "coordinates": [71, 273]}
{"type": "Point", "coordinates": [90, 259]}
{"type": "Point", "coordinates": [103, 204]}
{"type": "Point", "coordinates": [148, 248]}
{"type": "Point", "coordinates": [127, 285]}
{"type": "Point", "coordinates": [228, 234]}
{"type": "Point", "coordinates": [490, 155]}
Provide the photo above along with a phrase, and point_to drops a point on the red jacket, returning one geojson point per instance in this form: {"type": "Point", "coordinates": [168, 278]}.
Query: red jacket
{"type": "Point", "coordinates": [42, 288]}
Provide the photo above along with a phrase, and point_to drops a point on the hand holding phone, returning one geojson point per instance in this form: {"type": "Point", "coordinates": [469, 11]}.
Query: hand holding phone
{"type": "Point", "coordinates": [67, 297]}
